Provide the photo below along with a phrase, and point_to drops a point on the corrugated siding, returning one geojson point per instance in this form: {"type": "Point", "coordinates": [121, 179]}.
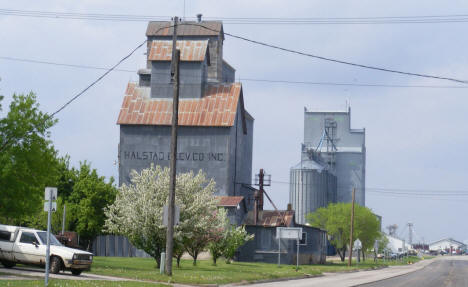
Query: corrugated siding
{"type": "Point", "coordinates": [189, 50]}
{"type": "Point", "coordinates": [217, 107]}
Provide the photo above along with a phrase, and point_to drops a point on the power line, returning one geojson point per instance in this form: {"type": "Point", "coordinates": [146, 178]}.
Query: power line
{"type": "Point", "coordinates": [48, 117]}
{"type": "Point", "coordinates": [399, 191]}
{"type": "Point", "coordinates": [418, 19]}
{"type": "Point", "coordinates": [333, 60]}
{"type": "Point", "coordinates": [378, 85]}
{"type": "Point", "coordinates": [62, 64]}
{"type": "Point", "coordinates": [97, 80]}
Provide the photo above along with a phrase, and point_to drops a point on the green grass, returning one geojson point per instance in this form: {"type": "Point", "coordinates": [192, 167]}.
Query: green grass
{"type": "Point", "coordinates": [76, 283]}
{"type": "Point", "coordinates": [206, 273]}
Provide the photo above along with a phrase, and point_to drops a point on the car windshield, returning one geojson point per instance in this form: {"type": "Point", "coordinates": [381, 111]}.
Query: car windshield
{"type": "Point", "coordinates": [53, 241]}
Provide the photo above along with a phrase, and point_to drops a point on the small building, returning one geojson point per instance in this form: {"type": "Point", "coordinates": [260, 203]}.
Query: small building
{"type": "Point", "coordinates": [397, 245]}
{"type": "Point", "coordinates": [264, 246]}
{"type": "Point", "coordinates": [447, 244]}
{"type": "Point", "coordinates": [235, 206]}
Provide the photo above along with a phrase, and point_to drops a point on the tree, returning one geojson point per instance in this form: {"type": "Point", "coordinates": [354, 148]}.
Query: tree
{"type": "Point", "coordinates": [27, 158]}
{"type": "Point", "coordinates": [225, 242]}
{"type": "Point", "coordinates": [235, 238]}
{"type": "Point", "coordinates": [138, 210]}
{"type": "Point", "coordinates": [367, 228]}
{"type": "Point", "coordinates": [336, 220]}
{"type": "Point", "coordinates": [90, 196]}
{"type": "Point", "coordinates": [201, 217]}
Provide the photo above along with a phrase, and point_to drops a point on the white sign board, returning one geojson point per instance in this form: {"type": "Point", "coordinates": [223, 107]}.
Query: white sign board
{"type": "Point", "coordinates": [166, 212]}
{"type": "Point", "coordinates": [289, 233]}
{"type": "Point", "coordinates": [357, 244]}
{"type": "Point", "coordinates": [50, 191]}
{"type": "Point", "coordinates": [46, 206]}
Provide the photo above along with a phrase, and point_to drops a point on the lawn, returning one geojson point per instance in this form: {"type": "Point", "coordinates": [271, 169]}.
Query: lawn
{"type": "Point", "coordinates": [76, 283]}
{"type": "Point", "coordinates": [206, 273]}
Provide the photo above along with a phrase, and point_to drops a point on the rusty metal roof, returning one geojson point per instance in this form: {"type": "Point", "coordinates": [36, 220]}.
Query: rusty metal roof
{"type": "Point", "coordinates": [186, 28]}
{"type": "Point", "coordinates": [218, 107]}
{"type": "Point", "coordinates": [229, 201]}
{"type": "Point", "coordinates": [271, 218]}
{"type": "Point", "coordinates": [189, 50]}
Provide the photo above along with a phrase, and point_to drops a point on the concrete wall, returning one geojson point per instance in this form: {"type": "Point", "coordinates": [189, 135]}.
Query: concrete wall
{"type": "Point", "coordinates": [264, 247]}
{"type": "Point", "coordinates": [350, 158]}
{"type": "Point", "coordinates": [346, 137]}
{"type": "Point", "coordinates": [350, 172]}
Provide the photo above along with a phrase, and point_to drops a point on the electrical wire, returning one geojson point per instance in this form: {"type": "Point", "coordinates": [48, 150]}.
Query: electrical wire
{"type": "Point", "coordinates": [48, 117]}
{"type": "Point", "coordinates": [418, 19]}
{"type": "Point", "coordinates": [279, 81]}
{"type": "Point", "coordinates": [332, 59]}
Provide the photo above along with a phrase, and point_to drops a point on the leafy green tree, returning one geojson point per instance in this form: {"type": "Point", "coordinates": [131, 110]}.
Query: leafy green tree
{"type": "Point", "coordinates": [236, 236]}
{"type": "Point", "coordinates": [86, 203]}
{"type": "Point", "coordinates": [27, 158]}
{"type": "Point", "coordinates": [138, 211]}
{"type": "Point", "coordinates": [336, 220]}
{"type": "Point", "coordinates": [367, 228]}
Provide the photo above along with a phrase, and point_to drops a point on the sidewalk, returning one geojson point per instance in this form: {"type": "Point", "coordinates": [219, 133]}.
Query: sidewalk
{"type": "Point", "coordinates": [349, 279]}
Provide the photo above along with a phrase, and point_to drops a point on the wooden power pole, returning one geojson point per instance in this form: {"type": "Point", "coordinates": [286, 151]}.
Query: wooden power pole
{"type": "Point", "coordinates": [352, 230]}
{"type": "Point", "coordinates": [172, 183]}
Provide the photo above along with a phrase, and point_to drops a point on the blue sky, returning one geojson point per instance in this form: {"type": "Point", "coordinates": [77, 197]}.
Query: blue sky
{"type": "Point", "coordinates": [415, 136]}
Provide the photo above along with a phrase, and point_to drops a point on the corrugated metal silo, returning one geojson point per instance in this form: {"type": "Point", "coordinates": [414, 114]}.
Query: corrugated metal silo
{"type": "Point", "coordinates": [312, 186]}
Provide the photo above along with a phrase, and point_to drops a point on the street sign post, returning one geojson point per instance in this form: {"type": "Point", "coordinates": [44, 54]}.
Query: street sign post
{"type": "Point", "coordinates": [289, 233]}
{"type": "Point", "coordinates": [50, 205]}
{"type": "Point", "coordinates": [166, 215]}
{"type": "Point", "coordinates": [357, 246]}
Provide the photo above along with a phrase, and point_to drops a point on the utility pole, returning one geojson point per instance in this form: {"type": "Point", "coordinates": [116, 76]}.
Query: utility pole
{"type": "Point", "coordinates": [172, 183]}
{"type": "Point", "coordinates": [352, 230]}
{"type": "Point", "coordinates": [63, 218]}
{"type": "Point", "coordinates": [260, 182]}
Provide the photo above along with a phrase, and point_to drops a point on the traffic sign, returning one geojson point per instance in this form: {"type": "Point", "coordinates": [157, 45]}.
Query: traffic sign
{"type": "Point", "coordinates": [357, 244]}
{"type": "Point", "coordinates": [289, 233]}
{"type": "Point", "coordinates": [165, 215]}
{"type": "Point", "coordinates": [54, 206]}
{"type": "Point", "coordinates": [50, 191]}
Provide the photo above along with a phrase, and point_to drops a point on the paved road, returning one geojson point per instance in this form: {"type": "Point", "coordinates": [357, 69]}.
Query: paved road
{"type": "Point", "coordinates": [349, 279]}
{"type": "Point", "coordinates": [446, 272]}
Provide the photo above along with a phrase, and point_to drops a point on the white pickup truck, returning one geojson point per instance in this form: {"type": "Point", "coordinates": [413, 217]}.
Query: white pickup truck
{"type": "Point", "coordinates": [28, 246]}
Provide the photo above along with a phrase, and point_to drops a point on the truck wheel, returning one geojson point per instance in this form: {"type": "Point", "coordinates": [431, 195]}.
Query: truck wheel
{"type": "Point", "coordinates": [76, 272]}
{"type": "Point", "coordinates": [55, 265]}
{"type": "Point", "coordinates": [8, 264]}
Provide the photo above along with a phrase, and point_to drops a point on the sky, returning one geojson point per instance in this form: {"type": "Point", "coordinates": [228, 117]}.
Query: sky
{"type": "Point", "coordinates": [415, 137]}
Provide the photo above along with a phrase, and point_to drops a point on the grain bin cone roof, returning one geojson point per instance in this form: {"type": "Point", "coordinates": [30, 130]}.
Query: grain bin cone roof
{"type": "Point", "coordinates": [309, 164]}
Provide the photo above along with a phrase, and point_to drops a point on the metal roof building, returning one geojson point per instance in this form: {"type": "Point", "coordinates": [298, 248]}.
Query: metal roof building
{"type": "Point", "coordinates": [215, 131]}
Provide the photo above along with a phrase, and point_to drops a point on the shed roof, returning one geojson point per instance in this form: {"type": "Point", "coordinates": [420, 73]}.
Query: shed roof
{"type": "Point", "coordinates": [185, 28]}
{"type": "Point", "coordinates": [448, 240]}
{"type": "Point", "coordinates": [217, 108]}
{"type": "Point", "coordinates": [229, 201]}
{"type": "Point", "coordinates": [191, 50]}
{"type": "Point", "coordinates": [271, 218]}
